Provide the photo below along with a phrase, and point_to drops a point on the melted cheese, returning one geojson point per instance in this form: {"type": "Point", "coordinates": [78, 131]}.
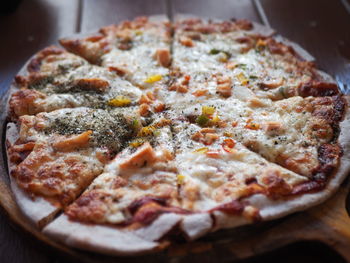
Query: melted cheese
{"type": "Point", "coordinates": [139, 64]}
{"type": "Point", "coordinates": [61, 88]}
{"type": "Point", "coordinates": [215, 181]}
{"type": "Point", "coordinates": [203, 61]}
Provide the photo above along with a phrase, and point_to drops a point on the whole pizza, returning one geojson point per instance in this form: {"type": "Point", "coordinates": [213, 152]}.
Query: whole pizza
{"type": "Point", "coordinates": [123, 140]}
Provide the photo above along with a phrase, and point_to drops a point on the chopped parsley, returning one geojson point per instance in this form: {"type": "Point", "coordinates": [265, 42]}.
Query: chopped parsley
{"type": "Point", "coordinates": [242, 66]}
{"type": "Point", "coordinates": [202, 120]}
{"type": "Point", "coordinates": [215, 51]}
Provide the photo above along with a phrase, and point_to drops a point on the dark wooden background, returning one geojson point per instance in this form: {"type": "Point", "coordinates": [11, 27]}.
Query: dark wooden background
{"type": "Point", "coordinates": [320, 26]}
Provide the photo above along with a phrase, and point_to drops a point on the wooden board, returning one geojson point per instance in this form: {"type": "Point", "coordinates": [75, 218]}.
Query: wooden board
{"type": "Point", "coordinates": [223, 9]}
{"type": "Point", "coordinates": [112, 11]}
{"type": "Point", "coordinates": [327, 223]}
{"type": "Point", "coordinates": [35, 25]}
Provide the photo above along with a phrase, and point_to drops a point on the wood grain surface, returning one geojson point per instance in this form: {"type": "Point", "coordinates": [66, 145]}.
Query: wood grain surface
{"type": "Point", "coordinates": [321, 26]}
{"type": "Point", "coordinates": [96, 14]}
{"type": "Point", "coordinates": [34, 25]}
{"type": "Point", "coordinates": [224, 9]}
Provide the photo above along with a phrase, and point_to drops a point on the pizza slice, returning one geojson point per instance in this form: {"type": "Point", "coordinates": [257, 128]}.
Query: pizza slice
{"type": "Point", "coordinates": [58, 154]}
{"type": "Point", "coordinates": [237, 58]}
{"type": "Point", "coordinates": [57, 79]}
{"type": "Point", "coordinates": [139, 50]}
{"type": "Point", "coordinates": [201, 50]}
{"type": "Point", "coordinates": [272, 69]}
{"type": "Point", "coordinates": [296, 139]}
{"type": "Point", "coordinates": [300, 134]}
{"type": "Point", "coordinates": [218, 175]}
{"type": "Point", "coordinates": [144, 168]}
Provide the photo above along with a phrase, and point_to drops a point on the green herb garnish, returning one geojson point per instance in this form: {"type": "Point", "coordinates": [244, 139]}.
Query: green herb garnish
{"type": "Point", "coordinates": [283, 91]}
{"type": "Point", "coordinates": [253, 77]}
{"type": "Point", "coordinates": [202, 120]}
{"type": "Point", "coordinates": [215, 51]}
{"type": "Point", "coordinates": [242, 66]}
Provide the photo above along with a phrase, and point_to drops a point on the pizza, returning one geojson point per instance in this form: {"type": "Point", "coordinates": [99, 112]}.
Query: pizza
{"type": "Point", "coordinates": [120, 141]}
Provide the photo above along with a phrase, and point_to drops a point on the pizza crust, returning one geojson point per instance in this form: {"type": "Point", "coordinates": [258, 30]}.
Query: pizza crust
{"type": "Point", "coordinates": [196, 225]}
{"type": "Point", "coordinates": [157, 229]}
{"type": "Point", "coordinates": [98, 238]}
{"type": "Point", "coordinates": [298, 49]}
{"type": "Point", "coordinates": [111, 240]}
{"type": "Point", "coordinates": [257, 29]}
{"type": "Point", "coordinates": [158, 18]}
{"type": "Point", "coordinates": [37, 209]}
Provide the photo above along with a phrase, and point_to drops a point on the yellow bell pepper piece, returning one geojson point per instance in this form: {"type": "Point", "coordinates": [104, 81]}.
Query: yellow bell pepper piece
{"type": "Point", "coordinates": [146, 131]}
{"type": "Point", "coordinates": [153, 78]}
{"type": "Point", "coordinates": [137, 142]}
{"type": "Point", "coordinates": [242, 78]}
{"type": "Point", "coordinates": [119, 101]}
{"type": "Point", "coordinates": [201, 150]}
{"type": "Point", "coordinates": [180, 179]}
{"type": "Point", "coordinates": [208, 110]}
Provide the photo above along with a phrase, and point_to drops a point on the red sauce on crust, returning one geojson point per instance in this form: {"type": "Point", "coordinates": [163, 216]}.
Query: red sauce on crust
{"type": "Point", "coordinates": [197, 25]}
{"type": "Point", "coordinates": [88, 207]}
{"type": "Point", "coordinates": [308, 187]}
{"type": "Point", "coordinates": [328, 155]}
{"type": "Point", "coordinates": [318, 89]}
{"type": "Point", "coordinates": [134, 206]}
{"type": "Point", "coordinates": [35, 64]}
{"type": "Point", "coordinates": [234, 207]}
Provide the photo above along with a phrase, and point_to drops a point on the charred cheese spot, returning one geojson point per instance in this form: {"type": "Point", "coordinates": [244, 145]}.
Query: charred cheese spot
{"type": "Point", "coordinates": [275, 185]}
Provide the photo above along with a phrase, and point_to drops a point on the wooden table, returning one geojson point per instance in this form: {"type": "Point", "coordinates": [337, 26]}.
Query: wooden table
{"type": "Point", "coordinates": [321, 26]}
